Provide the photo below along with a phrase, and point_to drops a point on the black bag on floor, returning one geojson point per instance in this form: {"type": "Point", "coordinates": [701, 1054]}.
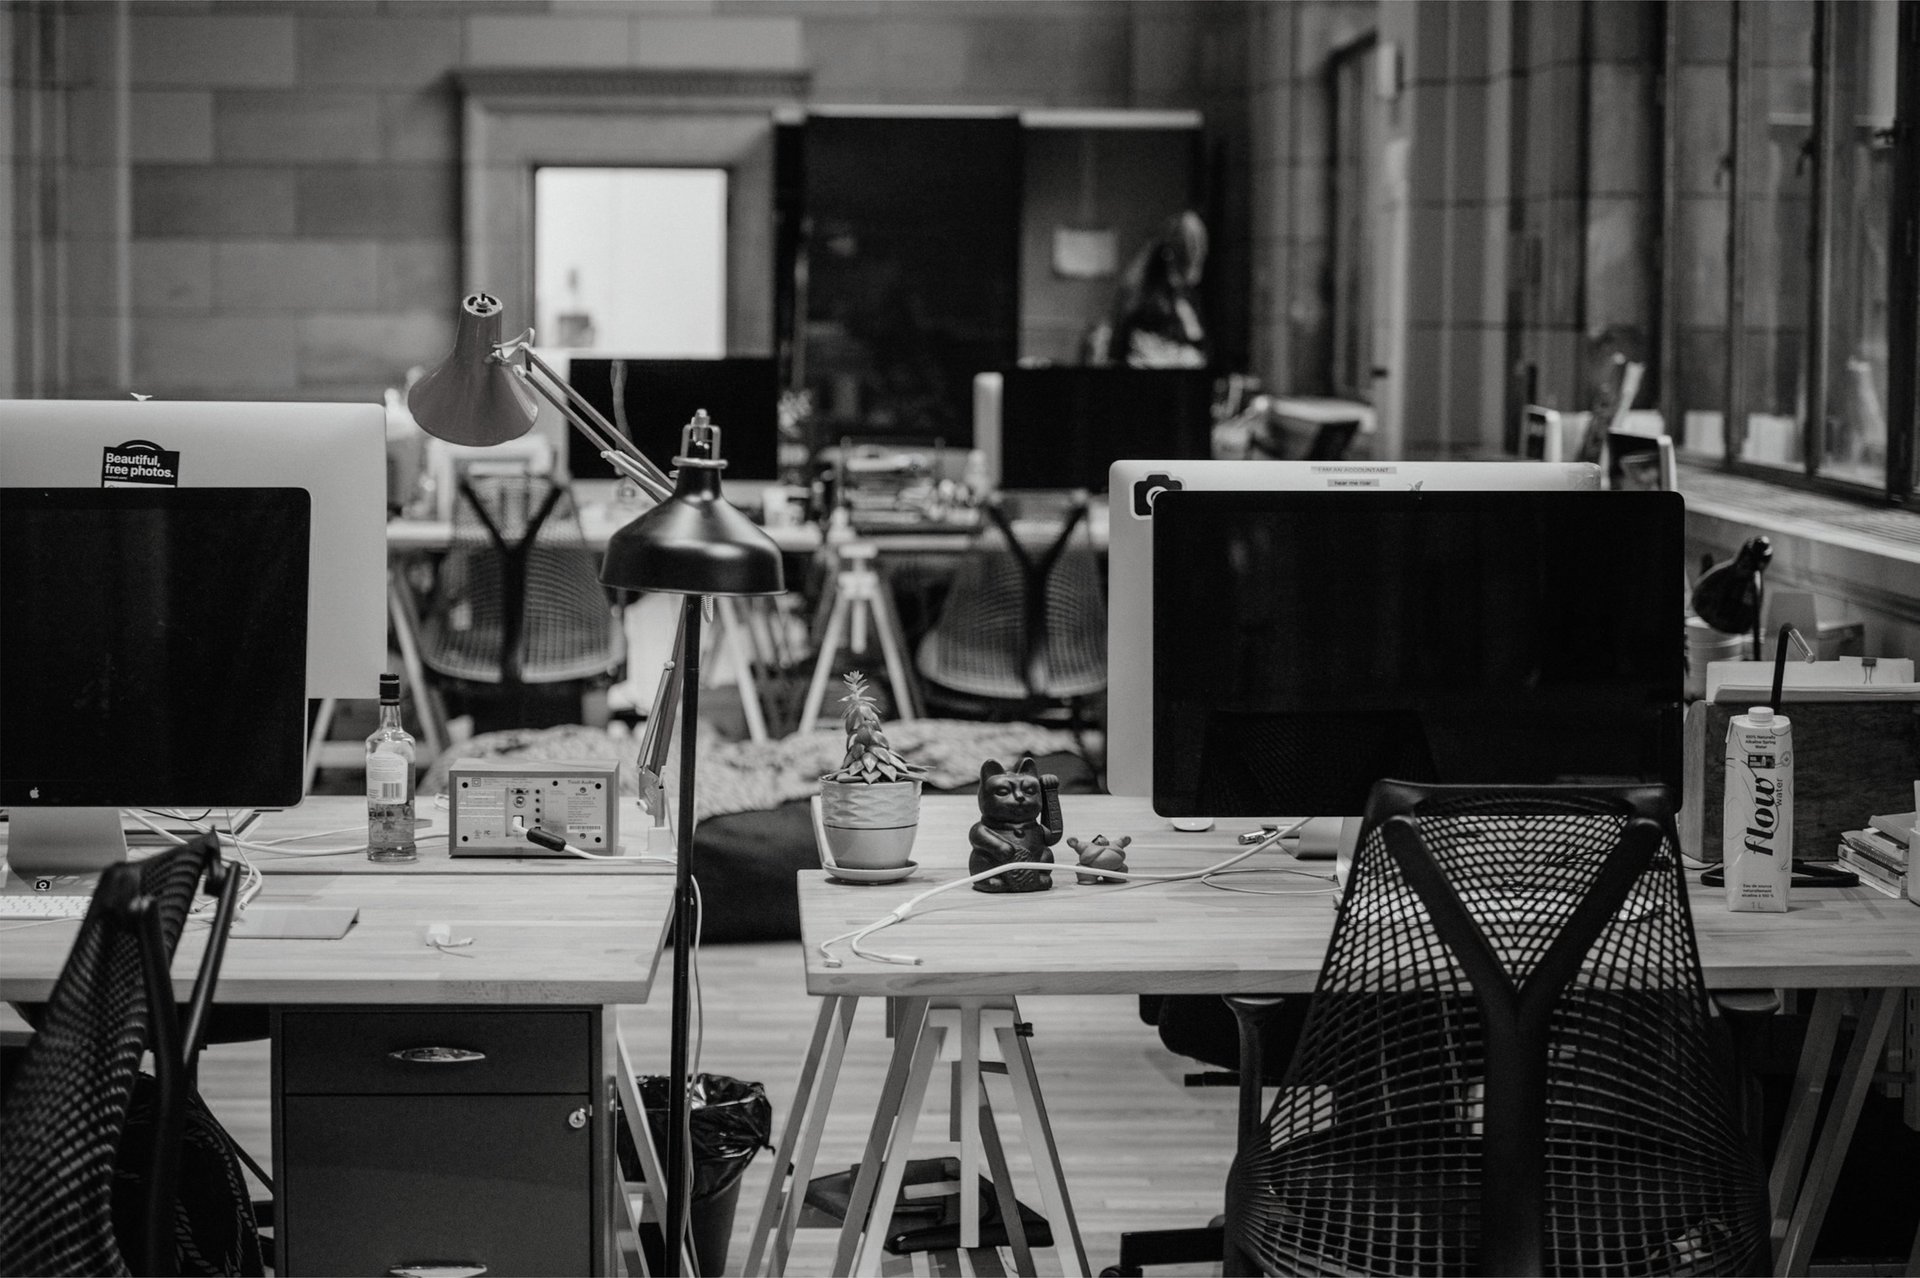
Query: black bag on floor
{"type": "Point", "coordinates": [213, 1226]}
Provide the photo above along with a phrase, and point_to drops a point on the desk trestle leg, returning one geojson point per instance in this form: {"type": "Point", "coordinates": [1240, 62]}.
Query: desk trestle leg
{"type": "Point", "coordinates": [651, 1168]}
{"type": "Point", "coordinates": [793, 1159]}
{"type": "Point", "coordinates": [923, 1033]}
{"type": "Point", "coordinates": [923, 1030]}
{"type": "Point", "coordinates": [1809, 1207]}
{"type": "Point", "coordinates": [878, 1212]}
{"type": "Point", "coordinates": [860, 599]}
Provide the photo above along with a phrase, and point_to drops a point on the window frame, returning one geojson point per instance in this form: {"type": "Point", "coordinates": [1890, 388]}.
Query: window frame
{"type": "Point", "coordinates": [1899, 484]}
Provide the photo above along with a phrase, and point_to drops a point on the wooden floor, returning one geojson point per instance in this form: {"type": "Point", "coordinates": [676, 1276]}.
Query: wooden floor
{"type": "Point", "coordinates": [1141, 1151]}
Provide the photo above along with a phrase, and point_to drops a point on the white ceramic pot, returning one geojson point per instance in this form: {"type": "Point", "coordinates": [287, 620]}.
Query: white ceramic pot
{"type": "Point", "coordinates": [870, 827]}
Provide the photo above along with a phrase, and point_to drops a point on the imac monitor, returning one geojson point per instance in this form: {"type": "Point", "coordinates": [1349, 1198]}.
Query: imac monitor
{"type": "Point", "coordinates": [153, 649]}
{"type": "Point", "coordinates": [1134, 487]}
{"type": "Point", "coordinates": [1308, 644]}
{"type": "Point", "coordinates": [741, 395]}
{"type": "Point", "coordinates": [336, 452]}
{"type": "Point", "coordinates": [1063, 428]}
{"type": "Point", "coordinates": [1641, 463]}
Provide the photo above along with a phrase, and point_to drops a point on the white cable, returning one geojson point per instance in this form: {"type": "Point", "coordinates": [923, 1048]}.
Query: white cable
{"type": "Point", "coordinates": [251, 882]}
{"type": "Point", "coordinates": [856, 936]}
{"type": "Point", "coordinates": [1274, 869]}
{"type": "Point", "coordinates": [160, 830]}
{"type": "Point", "coordinates": [693, 973]}
{"type": "Point", "coordinates": [311, 834]}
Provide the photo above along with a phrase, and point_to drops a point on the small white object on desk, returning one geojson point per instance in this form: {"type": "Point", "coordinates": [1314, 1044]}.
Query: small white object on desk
{"type": "Point", "coordinates": [1192, 825]}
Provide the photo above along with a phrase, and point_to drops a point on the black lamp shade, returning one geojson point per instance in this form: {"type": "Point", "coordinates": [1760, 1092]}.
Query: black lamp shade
{"type": "Point", "coordinates": [1727, 596]}
{"type": "Point", "coordinates": [695, 542]}
{"type": "Point", "coordinates": [472, 397]}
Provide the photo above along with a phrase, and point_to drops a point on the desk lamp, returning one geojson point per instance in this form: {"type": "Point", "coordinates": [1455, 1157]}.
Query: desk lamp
{"type": "Point", "coordinates": [1728, 594]}
{"type": "Point", "coordinates": [692, 543]}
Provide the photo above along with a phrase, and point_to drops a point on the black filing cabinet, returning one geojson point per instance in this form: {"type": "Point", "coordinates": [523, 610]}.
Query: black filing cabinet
{"type": "Point", "coordinates": [451, 1137]}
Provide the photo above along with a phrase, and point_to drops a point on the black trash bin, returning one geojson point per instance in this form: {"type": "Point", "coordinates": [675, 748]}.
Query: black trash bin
{"type": "Point", "coordinates": [730, 1121]}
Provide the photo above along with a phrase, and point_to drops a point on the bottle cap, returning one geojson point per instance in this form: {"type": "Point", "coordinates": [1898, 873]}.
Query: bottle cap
{"type": "Point", "coordinates": [1760, 714]}
{"type": "Point", "coordinates": [390, 689]}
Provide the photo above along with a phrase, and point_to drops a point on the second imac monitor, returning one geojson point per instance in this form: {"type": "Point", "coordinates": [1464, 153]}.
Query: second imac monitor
{"type": "Point", "coordinates": [1134, 489]}
{"type": "Point", "coordinates": [1308, 644]}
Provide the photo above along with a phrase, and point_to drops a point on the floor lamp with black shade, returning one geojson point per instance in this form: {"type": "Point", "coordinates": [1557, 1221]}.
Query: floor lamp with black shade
{"type": "Point", "coordinates": [692, 543]}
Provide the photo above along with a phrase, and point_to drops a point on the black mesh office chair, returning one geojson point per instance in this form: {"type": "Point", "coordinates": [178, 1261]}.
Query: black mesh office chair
{"type": "Point", "coordinates": [1022, 631]}
{"type": "Point", "coordinates": [1508, 1065]}
{"type": "Point", "coordinates": [66, 1104]}
{"type": "Point", "coordinates": [519, 599]}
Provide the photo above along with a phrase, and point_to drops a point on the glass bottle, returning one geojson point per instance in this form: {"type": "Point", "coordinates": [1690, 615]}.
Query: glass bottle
{"type": "Point", "coordinates": [390, 782]}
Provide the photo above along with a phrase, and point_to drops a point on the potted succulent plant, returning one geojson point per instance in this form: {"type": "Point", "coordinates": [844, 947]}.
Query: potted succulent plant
{"type": "Point", "coordinates": [870, 805]}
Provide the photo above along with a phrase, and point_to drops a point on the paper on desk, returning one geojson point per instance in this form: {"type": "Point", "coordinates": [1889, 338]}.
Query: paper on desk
{"type": "Point", "coordinates": [294, 922]}
{"type": "Point", "coordinates": [1751, 682]}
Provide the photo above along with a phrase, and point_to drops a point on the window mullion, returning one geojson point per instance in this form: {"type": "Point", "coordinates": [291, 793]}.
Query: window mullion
{"type": "Point", "coordinates": [1826, 140]}
{"type": "Point", "coordinates": [1733, 436]}
{"type": "Point", "coordinates": [1903, 335]}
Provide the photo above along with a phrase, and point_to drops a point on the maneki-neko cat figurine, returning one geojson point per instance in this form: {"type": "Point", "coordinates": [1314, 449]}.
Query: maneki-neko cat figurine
{"type": "Point", "coordinates": [1019, 824]}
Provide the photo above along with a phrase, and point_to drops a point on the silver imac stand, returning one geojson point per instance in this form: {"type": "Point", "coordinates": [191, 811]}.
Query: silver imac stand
{"type": "Point", "coordinates": [43, 841]}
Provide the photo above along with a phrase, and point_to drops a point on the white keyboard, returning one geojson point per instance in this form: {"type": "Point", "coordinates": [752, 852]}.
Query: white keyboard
{"type": "Point", "coordinates": [44, 905]}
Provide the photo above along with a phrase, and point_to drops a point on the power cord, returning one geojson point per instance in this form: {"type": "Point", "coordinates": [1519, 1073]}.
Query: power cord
{"type": "Point", "coordinates": [201, 911]}
{"type": "Point", "coordinates": [555, 843]}
{"type": "Point", "coordinates": [855, 937]}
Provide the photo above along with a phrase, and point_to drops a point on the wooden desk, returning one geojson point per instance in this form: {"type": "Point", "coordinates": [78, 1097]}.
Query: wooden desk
{"type": "Point", "coordinates": [1190, 938]}
{"type": "Point", "coordinates": [599, 520]}
{"type": "Point", "coordinates": [379, 1162]}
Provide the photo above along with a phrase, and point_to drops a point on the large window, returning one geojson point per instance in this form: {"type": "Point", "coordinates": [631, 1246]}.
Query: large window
{"type": "Point", "coordinates": [1793, 159]}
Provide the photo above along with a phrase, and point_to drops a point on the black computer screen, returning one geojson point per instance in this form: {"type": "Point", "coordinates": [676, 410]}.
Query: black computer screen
{"type": "Point", "coordinates": [1307, 644]}
{"type": "Point", "coordinates": [1063, 427]}
{"type": "Point", "coordinates": [153, 646]}
{"type": "Point", "coordinates": [740, 393]}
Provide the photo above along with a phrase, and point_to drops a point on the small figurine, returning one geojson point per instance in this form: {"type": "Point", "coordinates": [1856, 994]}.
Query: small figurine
{"type": "Point", "coordinates": [1019, 821]}
{"type": "Point", "coordinates": [1100, 855]}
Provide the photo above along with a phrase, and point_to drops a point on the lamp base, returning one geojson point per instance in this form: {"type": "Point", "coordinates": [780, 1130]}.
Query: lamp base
{"type": "Point", "coordinates": [658, 840]}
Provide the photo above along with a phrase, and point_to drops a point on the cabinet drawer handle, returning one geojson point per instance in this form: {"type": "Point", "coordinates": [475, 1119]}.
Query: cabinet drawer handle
{"type": "Point", "coordinates": [437, 1056]}
{"type": "Point", "coordinates": [440, 1269]}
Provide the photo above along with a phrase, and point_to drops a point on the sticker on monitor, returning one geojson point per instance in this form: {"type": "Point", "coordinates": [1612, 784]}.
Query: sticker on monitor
{"type": "Point", "coordinates": [139, 463]}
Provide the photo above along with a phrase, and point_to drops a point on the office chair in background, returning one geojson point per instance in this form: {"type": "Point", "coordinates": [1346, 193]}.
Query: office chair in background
{"type": "Point", "coordinates": [518, 601]}
{"type": "Point", "coordinates": [1508, 1066]}
{"type": "Point", "coordinates": [66, 1107]}
{"type": "Point", "coordinates": [1022, 632]}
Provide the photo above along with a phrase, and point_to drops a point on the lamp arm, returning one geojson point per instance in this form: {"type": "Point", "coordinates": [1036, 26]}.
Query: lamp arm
{"type": "Point", "coordinates": [586, 419]}
{"type": "Point", "coordinates": [658, 738]}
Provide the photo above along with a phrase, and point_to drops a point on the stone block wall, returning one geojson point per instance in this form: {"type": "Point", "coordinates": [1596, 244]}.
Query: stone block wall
{"type": "Point", "coordinates": [263, 199]}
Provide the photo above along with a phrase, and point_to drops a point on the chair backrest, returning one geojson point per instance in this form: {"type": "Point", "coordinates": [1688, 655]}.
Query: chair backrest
{"type": "Point", "coordinates": [1508, 1066]}
{"type": "Point", "coordinates": [1022, 622]}
{"type": "Point", "coordinates": [66, 1108]}
{"type": "Point", "coordinates": [520, 599]}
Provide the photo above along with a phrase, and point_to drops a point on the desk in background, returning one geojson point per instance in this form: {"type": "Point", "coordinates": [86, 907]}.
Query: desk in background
{"type": "Point", "coordinates": [600, 518]}
{"type": "Point", "coordinates": [906, 550]}
{"type": "Point", "coordinates": [1188, 938]}
{"type": "Point", "coordinates": [507, 1160]}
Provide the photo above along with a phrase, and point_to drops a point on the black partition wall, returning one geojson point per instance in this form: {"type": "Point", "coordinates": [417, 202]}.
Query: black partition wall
{"type": "Point", "coordinates": [906, 269]}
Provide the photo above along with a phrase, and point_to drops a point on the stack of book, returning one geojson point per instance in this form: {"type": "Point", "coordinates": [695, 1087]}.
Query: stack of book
{"type": "Point", "coordinates": [1878, 854]}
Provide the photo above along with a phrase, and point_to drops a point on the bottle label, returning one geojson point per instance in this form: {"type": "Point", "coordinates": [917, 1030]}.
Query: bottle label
{"type": "Point", "coordinates": [1757, 818]}
{"type": "Point", "coordinates": [386, 778]}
